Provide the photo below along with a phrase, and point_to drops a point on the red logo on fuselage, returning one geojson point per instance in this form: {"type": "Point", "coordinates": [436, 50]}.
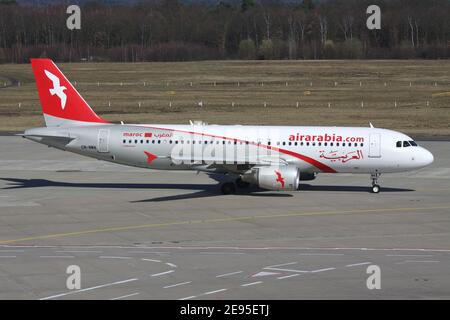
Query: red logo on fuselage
{"type": "Point", "coordinates": [279, 179]}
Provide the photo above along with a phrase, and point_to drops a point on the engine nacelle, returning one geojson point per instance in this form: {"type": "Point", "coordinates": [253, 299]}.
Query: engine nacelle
{"type": "Point", "coordinates": [274, 177]}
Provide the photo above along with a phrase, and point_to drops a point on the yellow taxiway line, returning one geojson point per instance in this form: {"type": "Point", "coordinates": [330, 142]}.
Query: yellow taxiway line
{"type": "Point", "coordinates": [243, 218]}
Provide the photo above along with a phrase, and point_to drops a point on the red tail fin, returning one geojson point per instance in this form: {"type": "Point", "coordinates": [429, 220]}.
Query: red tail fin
{"type": "Point", "coordinates": [62, 105]}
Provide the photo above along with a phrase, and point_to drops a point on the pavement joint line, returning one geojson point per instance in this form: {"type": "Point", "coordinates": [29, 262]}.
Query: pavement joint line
{"type": "Point", "coordinates": [229, 219]}
{"type": "Point", "coordinates": [113, 257]}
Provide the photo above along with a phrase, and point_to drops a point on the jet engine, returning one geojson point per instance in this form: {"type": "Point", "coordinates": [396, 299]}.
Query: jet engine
{"type": "Point", "coordinates": [274, 177]}
{"type": "Point", "coordinates": [306, 176]}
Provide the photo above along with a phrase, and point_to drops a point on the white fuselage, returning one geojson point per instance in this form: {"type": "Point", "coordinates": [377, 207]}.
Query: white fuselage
{"type": "Point", "coordinates": [235, 147]}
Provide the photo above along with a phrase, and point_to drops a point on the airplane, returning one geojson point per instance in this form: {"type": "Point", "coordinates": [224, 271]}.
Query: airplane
{"type": "Point", "coordinates": [268, 157]}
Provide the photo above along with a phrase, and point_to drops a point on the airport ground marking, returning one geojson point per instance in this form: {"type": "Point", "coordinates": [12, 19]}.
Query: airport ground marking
{"type": "Point", "coordinates": [228, 274]}
{"type": "Point", "coordinates": [250, 284]}
{"type": "Point", "coordinates": [177, 284]}
{"type": "Point", "coordinates": [126, 296]}
{"type": "Point", "coordinates": [358, 264]}
{"type": "Point", "coordinates": [162, 273]}
{"type": "Point", "coordinates": [212, 292]}
{"type": "Point", "coordinates": [289, 276]}
{"type": "Point", "coordinates": [216, 220]}
{"type": "Point", "coordinates": [88, 289]}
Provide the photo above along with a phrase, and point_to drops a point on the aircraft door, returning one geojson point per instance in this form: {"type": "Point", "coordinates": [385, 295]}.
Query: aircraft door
{"type": "Point", "coordinates": [103, 141]}
{"type": "Point", "coordinates": [375, 145]}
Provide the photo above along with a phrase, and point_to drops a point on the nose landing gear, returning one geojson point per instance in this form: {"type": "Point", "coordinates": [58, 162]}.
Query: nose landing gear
{"type": "Point", "coordinates": [375, 186]}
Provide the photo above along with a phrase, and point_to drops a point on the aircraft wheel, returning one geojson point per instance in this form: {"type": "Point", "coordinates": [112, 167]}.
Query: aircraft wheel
{"type": "Point", "coordinates": [241, 183]}
{"type": "Point", "coordinates": [375, 188]}
{"type": "Point", "coordinates": [228, 188]}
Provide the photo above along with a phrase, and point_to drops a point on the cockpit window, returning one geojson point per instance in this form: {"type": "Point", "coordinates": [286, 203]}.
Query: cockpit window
{"type": "Point", "coordinates": [413, 143]}
{"type": "Point", "coordinates": [399, 144]}
{"type": "Point", "coordinates": [406, 144]}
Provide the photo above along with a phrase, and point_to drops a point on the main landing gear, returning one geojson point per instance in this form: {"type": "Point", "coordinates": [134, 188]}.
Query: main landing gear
{"type": "Point", "coordinates": [230, 187]}
{"type": "Point", "coordinates": [375, 186]}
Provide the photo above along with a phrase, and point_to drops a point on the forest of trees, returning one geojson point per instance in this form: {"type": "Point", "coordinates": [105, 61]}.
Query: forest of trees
{"type": "Point", "coordinates": [174, 30]}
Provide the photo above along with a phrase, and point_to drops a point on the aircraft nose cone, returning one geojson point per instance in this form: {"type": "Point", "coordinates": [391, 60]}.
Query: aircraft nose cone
{"type": "Point", "coordinates": [426, 157]}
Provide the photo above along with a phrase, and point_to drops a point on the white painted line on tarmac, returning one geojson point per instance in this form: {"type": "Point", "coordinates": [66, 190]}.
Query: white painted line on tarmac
{"type": "Point", "coordinates": [56, 257]}
{"type": "Point", "coordinates": [78, 251]}
{"type": "Point", "coordinates": [321, 270]}
{"type": "Point", "coordinates": [289, 276]}
{"type": "Point", "coordinates": [126, 296]}
{"type": "Point", "coordinates": [8, 256]}
{"type": "Point", "coordinates": [250, 284]}
{"type": "Point", "coordinates": [177, 284]}
{"type": "Point", "coordinates": [222, 252]}
{"type": "Point", "coordinates": [5, 251]}
{"type": "Point", "coordinates": [321, 254]}
{"type": "Point", "coordinates": [172, 265]}
{"type": "Point", "coordinates": [281, 265]}
{"type": "Point", "coordinates": [151, 260]}
{"type": "Point", "coordinates": [89, 289]}
{"type": "Point", "coordinates": [112, 257]}
{"type": "Point", "coordinates": [418, 261]}
{"type": "Point", "coordinates": [147, 252]}
{"type": "Point", "coordinates": [409, 255]}
{"type": "Point", "coordinates": [228, 274]}
{"type": "Point", "coordinates": [358, 264]}
{"type": "Point", "coordinates": [215, 291]}
{"type": "Point", "coordinates": [288, 270]}
{"type": "Point", "coordinates": [162, 273]}
{"type": "Point", "coordinates": [188, 298]}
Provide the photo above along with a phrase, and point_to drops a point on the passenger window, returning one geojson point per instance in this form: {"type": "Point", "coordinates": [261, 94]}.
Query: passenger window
{"type": "Point", "coordinates": [284, 143]}
{"type": "Point", "coordinates": [331, 144]}
{"type": "Point", "coordinates": [406, 144]}
{"type": "Point", "coordinates": [296, 143]}
{"type": "Point", "coordinates": [343, 144]}
{"type": "Point", "coordinates": [325, 144]}
{"type": "Point", "coordinates": [124, 141]}
{"type": "Point", "coordinates": [290, 143]}
{"type": "Point", "coordinates": [268, 143]}
{"type": "Point", "coordinates": [301, 143]}
{"type": "Point", "coordinates": [362, 144]}
{"type": "Point", "coordinates": [319, 144]}
{"type": "Point", "coordinates": [307, 143]}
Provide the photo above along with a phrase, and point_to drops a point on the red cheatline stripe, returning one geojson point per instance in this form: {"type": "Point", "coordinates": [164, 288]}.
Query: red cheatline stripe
{"type": "Point", "coordinates": [317, 164]}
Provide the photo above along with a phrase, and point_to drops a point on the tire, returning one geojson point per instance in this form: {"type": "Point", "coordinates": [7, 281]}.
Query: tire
{"type": "Point", "coordinates": [228, 188]}
{"type": "Point", "coordinates": [241, 183]}
{"type": "Point", "coordinates": [375, 188]}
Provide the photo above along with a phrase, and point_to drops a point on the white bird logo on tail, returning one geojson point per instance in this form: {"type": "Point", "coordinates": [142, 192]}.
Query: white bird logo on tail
{"type": "Point", "coordinates": [57, 88]}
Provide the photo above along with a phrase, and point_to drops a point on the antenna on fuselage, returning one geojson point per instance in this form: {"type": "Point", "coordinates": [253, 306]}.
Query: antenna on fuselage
{"type": "Point", "coordinates": [371, 125]}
